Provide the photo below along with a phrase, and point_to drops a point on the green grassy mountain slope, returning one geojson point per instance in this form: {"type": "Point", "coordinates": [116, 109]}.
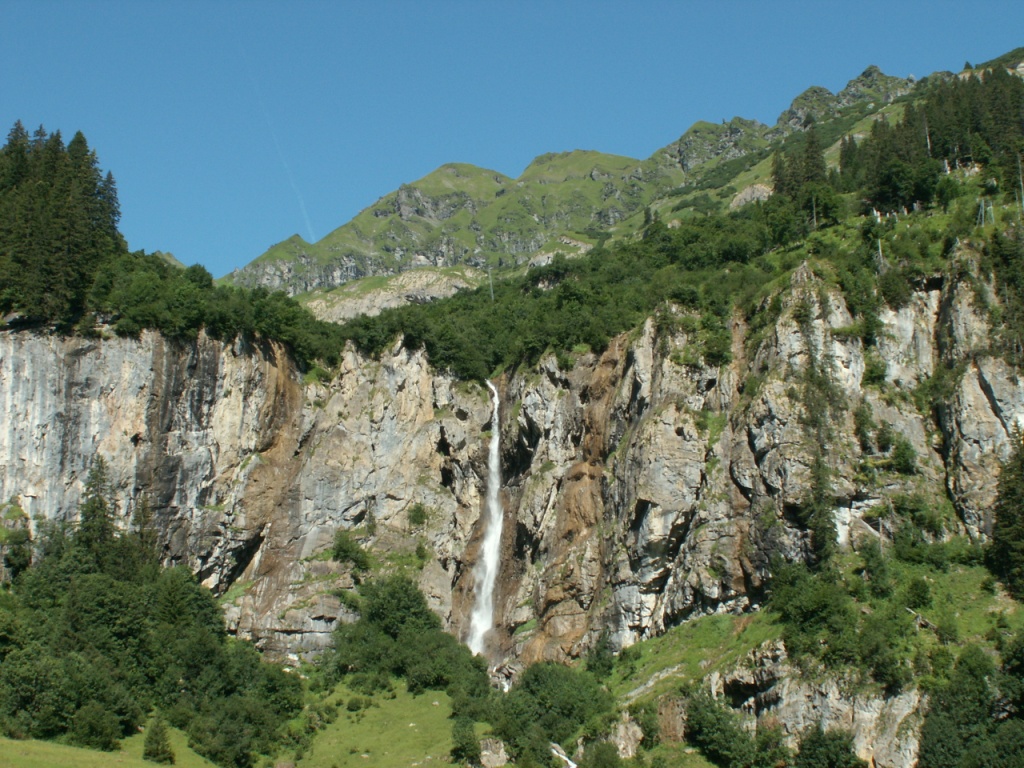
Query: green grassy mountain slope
{"type": "Point", "coordinates": [461, 214]}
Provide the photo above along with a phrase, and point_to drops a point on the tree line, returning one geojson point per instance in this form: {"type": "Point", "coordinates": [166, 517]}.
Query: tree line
{"type": "Point", "coordinates": [64, 264]}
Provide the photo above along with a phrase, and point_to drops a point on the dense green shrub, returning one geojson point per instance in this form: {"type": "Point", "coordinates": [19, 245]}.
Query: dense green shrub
{"type": "Point", "coordinates": [465, 744]}
{"type": "Point", "coordinates": [827, 749]}
{"type": "Point", "coordinates": [101, 634]}
{"type": "Point", "coordinates": [347, 550]}
{"type": "Point", "coordinates": [398, 636]}
{"type": "Point", "coordinates": [549, 702]}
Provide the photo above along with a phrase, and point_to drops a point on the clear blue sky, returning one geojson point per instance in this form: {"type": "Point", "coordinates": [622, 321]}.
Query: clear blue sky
{"type": "Point", "coordinates": [229, 126]}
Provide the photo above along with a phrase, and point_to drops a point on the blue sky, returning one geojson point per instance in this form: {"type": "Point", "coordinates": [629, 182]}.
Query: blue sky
{"type": "Point", "coordinates": [229, 126]}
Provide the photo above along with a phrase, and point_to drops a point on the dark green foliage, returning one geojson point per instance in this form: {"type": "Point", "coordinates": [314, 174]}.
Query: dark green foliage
{"type": "Point", "coordinates": [549, 702]}
{"type": "Point", "coordinates": [358, 703]}
{"type": "Point", "coordinates": [646, 716]}
{"type": "Point", "coordinates": [17, 551]}
{"type": "Point", "coordinates": [58, 222]}
{"type": "Point", "coordinates": [827, 749]}
{"type": "Point", "coordinates": [770, 750]}
{"type": "Point", "coordinates": [919, 594]}
{"type": "Point", "coordinates": [960, 719]}
{"type": "Point", "coordinates": [395, 605]}
{"type": "Point", "coordinates": [960, 121]}
{"type": "Point", "coordinates": [1004, 257]}
{"type": "Point", "coordinates": [1004, 749]}
{"type": "Point", "coordinates": [465, 744]}
{"type": "Point", "coordinates": [96, 519]}
{"type": "Point", "coordinates": [863, 425]}
{"type": "Point", "coordinates": [817, 514]}
{"type": "Point", "coordinates": [587, 301]}
{"type": "Point", "coordinates": [818, 615]}
{"type": "Point", "coordinates": [97, 635]}
{"type": "Point", "coordinates": [880, 643]}
{"type": "Point", "coordinates": [347, 550]}
{"type": "Point", "coordinates": [417, 514]}
{"type": "Point", "coordinates": [398, 635]}
{"type": "Point", "coordinates": [601, 754]}
{"type": "Point", "coordinates": [600, 659]}
{"type": "Point", "coordinates": [715, 731]}
{"type": "Point", "coordinates": [95, 728]}
{"type": "Point", "coordinates": [157, 746]}
{"type": "Point", "coordinates": [876, 569]}
{"type": "Point", "coordinates": [894, 288]}
{"type": "Point", "coordinates": [904, 457]}
{"type": "Point", "coordinates": [1006, 553]}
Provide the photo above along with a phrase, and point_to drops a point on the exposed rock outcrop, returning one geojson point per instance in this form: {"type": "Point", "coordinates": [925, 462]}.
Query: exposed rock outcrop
{"type": "Point", "coordinates": [766, 689]}
{"type": "Point", "coordinates": [415, 286]}
{"type": "Point", "coordinates": [642, 487]}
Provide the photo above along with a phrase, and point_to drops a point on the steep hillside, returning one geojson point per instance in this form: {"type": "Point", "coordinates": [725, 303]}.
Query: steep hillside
{"type": "Point", "coordinates": [460, 214]}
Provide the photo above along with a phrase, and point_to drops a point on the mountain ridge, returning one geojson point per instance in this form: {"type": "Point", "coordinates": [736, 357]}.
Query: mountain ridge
{"type": "Point", "coordinates": [460, 213]}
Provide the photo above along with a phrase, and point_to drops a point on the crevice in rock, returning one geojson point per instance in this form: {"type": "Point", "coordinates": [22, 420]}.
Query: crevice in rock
{"type": "Point", "coordinates": [526, 548]}
{"type": "Point", "coordinates": [443, 446]}
{"type": "Point", "coordinates": [518, 459]}
{"type": "Point", "coordinates": [242, 557]}
{"type": "Point", "coordinates": [739, 692]}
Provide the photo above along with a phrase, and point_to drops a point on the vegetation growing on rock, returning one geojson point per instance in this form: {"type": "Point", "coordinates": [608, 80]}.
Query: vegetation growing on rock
{"type": "Point", "coordinates": [94, 634]}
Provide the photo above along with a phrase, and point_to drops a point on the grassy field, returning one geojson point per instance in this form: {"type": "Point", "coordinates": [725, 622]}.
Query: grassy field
{"type": "Point", "coordinates": [47, 754]}
{"type": "Point", "coordinates": [405, 730]}
{"type": "Point", "coordinates": [689, 652]}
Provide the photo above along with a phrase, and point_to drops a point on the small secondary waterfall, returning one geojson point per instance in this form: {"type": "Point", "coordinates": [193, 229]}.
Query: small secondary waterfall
{"type": "Point", "coordinates": [486, 571]}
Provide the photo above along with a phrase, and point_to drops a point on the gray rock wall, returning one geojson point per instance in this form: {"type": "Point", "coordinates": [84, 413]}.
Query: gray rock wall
{"type": "Point", "coordinates": [640, 488]}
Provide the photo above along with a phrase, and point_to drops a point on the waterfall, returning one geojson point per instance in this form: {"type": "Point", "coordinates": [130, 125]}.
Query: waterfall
{"type": "Point", "coordinates": [486, 571]}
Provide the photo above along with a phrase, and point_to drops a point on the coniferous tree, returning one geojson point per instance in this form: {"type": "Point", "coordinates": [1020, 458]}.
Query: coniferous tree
{"type": "Point", "coordinates": [96, 527]}
{"type": "Point", "coordinates": [58, 224]}
{"type": "Point", "coordinates": [812, 160]}
{"type": "Point", "coordinates": [783, 181]}
{"type": "Point", "coordinates": [1006, 555]}
{"type": "Point", "coordinates": [157, 746]}
{"type": "Point", "coordinates": [465, 744]}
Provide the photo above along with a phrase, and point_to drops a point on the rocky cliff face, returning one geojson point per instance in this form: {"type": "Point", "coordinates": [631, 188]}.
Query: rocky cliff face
{"type": "Point", "coordinates": [766, 689]}
{"type": "Point", "coordinates": [640, 487]}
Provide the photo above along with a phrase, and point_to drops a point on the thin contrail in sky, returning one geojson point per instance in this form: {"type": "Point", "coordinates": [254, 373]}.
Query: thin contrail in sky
{"type": "Point", "coordinates": [277, 144]}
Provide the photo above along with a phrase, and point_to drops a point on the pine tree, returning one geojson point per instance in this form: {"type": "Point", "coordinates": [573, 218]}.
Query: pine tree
{"type": "Point", "coordinates": [813, 169]}
{"type": "Point", "coordinates": [96, 517]}
{"type": "Point", "coordinates": [782, 176]}
{"type": "Point", "coordinates": [157, 746]}
{"type": "Point", "coordinates": [1006, 555]}
{"type": "Point", "coordinates": [465, 745]}
{"type": "Point", "coordinates": [58, 224]}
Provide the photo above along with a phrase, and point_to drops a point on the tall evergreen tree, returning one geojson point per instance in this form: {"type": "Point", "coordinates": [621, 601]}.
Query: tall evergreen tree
{"type": "Point", "coordinates": [1006, 555]}
{"type": "Point", "coordinates": [96, 527]}
{"type": "Point", "coordinates": [813, 169]}
{"type": "Point", "coordinates": [157, 746]}
{"type": "Point", "coordinates": [58, 224]}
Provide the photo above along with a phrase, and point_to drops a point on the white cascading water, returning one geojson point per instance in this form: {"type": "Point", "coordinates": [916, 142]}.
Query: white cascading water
{"type": "Point", "coordinates": [486, 571]}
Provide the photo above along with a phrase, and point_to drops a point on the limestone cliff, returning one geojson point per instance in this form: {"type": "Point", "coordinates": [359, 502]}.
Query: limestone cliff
{"type": "Point", "coordinates": [641, 487]}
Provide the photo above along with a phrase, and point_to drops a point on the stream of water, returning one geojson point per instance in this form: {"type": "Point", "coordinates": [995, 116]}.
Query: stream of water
{"type": "Point", "coordinates": [482, 619]}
